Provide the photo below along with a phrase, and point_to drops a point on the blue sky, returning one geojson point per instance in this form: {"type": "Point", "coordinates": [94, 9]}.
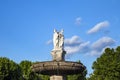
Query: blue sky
{"type": "Point", "coordinates": [26, 28]}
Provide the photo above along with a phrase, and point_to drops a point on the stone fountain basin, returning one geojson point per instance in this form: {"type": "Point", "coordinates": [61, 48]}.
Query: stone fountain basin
{"type": "Point", "coordinates": [58, 68]}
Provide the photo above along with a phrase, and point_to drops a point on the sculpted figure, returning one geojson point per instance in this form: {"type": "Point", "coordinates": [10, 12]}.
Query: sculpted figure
{"type": "Point", "coordinates": [58, 39]}
{"type": "Point", "coordinates": [61, 39]}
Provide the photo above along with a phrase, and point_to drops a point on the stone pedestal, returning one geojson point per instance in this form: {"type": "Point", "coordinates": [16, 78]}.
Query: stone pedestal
{"type": "Point", "coordinates": [58, 55]}
{"type": "Point", "coordinates": [58, 77]}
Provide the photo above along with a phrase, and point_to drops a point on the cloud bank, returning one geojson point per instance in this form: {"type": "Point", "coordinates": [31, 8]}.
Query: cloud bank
{"type": "Point", "coordinates": [98, 27]}
{"type": "Point", "coordinates": [81, 47]}
{"type": "Point", "coordinates": [74, 40]}
{"type": "Point", "coordinates": [98, 46]}
{"type": "Point", "coordinates": [75, 45]}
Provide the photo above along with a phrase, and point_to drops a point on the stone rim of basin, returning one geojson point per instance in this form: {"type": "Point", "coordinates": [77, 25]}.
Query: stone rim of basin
{"type": "Point", "coordinates": [58, 67]}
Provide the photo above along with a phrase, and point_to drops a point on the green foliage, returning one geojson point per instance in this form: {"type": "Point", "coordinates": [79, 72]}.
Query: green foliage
{"type": "Point", "coordinates": [44, 77]}
{"type": "Point", "coordinates": [76, 77]}
{"type": "Point", "coordinates": [25, 66]}
{"type": "Point", "coordinates": [34, 76]}
{"type": "Point", "coordinates": [27, 72]}
{"type": "Point", "coordinates": [107, 66]}
{"type": "Point", "coordinates": [9, 70]}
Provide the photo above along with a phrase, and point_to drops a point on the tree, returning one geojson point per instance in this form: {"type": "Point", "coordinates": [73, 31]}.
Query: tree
{"type": "Point", "coordinates": [27, 72]}
{"type": "Point", "coordinates": [25, 66]}
{"type": "Point", "coordinates": [44, 77]}
{"type": "Point", "coordinates": [9, 70]}
{"type": "Point", "coordinates": [107, 66]}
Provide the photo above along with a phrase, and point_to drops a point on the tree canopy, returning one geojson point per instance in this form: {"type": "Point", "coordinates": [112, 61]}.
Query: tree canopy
{"type": "Point", "coordinates": [27, 72]}
{"type": "Point", "coordinates": [107, 66]}
{"type": "Point", "coordinates": [9, 70]}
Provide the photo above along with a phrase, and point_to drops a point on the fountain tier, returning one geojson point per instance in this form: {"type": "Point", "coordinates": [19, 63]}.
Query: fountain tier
{"type": "Point", "coordinates": [58, 68]}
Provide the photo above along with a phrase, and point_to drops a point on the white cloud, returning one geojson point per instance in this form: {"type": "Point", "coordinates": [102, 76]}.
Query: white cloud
{"type": "Point", "coordinates": [74, 40]}
{"type": "Point", "coordinates": [49, 42]}
{"type": "Point", "coordinates": [94, 53]}
{"type": "Point", "coordinates": [98, 27]}
{"type": "Point", "coordinates": [98, 46]}
{"type": "Point", "coordinates": [71, 49]}
{"type": "Point", "coordinates": [74, 45]}
{"type": "Point", "coordinates": [98, 52]}
{"type": "Point", "coordinates": [81, 48]}
{"type": "Point", "coordinates": [78, 21]}
{"type": "Point", "coordinates": [103, 42]}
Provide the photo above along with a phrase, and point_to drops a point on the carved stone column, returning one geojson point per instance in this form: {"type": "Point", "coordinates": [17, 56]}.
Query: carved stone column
{"type": "Point", "coordinates": [58, 77]}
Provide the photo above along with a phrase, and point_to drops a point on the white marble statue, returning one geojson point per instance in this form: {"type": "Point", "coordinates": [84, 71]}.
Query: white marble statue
{"type": "Point", "coordinates": [58, 40]}
{"type": "Point", "coordinates": [61, 39]}
{"type": "Point", "coordinates": [55, 39]}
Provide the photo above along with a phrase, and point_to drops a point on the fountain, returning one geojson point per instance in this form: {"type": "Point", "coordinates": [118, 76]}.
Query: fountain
{"type": "Point", "coordinates": [58, 68]}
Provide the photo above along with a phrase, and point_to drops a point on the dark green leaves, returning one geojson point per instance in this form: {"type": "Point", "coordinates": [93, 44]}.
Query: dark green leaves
{"type": "Point", "coordinates": [9, 70]}
{"type": "Point", "coordinates": [107, 66]}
